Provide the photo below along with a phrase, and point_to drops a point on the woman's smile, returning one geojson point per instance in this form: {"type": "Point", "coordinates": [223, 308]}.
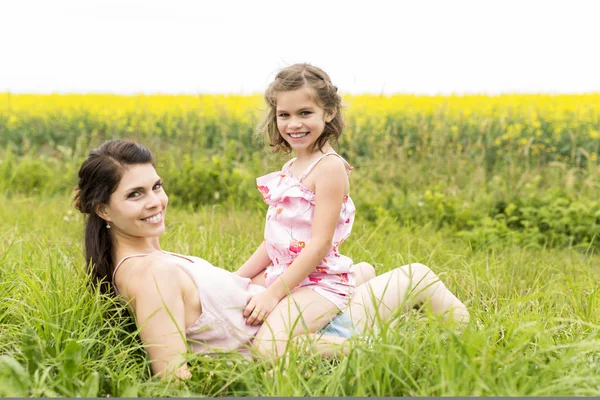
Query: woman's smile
{"type": "Point", "coordinates": [154, 219]}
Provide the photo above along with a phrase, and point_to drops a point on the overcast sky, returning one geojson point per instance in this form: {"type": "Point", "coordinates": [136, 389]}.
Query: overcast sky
{"type": "Point", "coordinates": [231, 46]}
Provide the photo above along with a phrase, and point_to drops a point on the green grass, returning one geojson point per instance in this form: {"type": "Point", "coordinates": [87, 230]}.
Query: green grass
{"type": "Point", "coordinates": [534, 331]}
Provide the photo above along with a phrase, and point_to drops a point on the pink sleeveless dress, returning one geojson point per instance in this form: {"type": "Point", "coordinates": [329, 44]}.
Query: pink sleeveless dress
{"type": "Point", "coordinates": [288, 231]}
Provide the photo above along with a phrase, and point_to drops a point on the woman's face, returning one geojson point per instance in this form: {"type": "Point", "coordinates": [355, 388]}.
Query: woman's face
{"type": "Point", "coordinates": [138, 206]}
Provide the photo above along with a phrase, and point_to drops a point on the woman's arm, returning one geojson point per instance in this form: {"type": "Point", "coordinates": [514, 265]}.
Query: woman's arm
{"type": "Point", "coordinates": [157, 301]}
{"type": "Point", "coordinates": [330, 190]}
{"type": "Point", "coordinates": [256, 263]}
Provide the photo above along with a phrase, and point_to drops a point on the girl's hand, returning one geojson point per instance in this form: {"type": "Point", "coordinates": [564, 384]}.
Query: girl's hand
{"type": "Point", "coordinates": [259, 307]}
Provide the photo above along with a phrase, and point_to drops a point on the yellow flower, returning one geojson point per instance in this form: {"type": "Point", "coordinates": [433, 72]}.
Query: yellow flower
{"type": "Point", "coordinates": [12, 122]}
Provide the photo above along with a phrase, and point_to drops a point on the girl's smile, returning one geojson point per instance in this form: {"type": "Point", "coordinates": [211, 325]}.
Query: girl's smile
{"type": "Point", "coordinates": [298, 135]}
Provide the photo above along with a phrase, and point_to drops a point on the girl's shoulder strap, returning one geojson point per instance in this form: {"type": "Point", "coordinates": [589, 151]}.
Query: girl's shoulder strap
{"type": "Point", "coordinates": [314, 164]}
{"type": "Point", "coordinates": [288, 164]}
{"type": "Point", "coordinates": [117, 268]}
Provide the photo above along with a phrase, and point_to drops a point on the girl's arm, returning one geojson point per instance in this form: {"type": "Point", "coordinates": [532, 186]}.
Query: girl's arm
{"type": "Point", "coordinates": [157, 301]}
{"type": "Point", "coordinates": [330, 190]}
{"type": "Point", "coordinates": [256, 263]}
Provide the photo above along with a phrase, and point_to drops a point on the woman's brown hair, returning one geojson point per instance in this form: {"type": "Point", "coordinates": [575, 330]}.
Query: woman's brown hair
{"type": "Point", "coordinates": [99, 176]}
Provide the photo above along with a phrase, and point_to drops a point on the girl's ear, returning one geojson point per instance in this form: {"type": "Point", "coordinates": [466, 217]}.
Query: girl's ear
{"type": "Point", "coordinates": [329, 116]}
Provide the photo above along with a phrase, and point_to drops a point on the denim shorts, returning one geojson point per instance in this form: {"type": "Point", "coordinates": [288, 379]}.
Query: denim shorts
{"type": "Point", "coordinates": [340, 326]}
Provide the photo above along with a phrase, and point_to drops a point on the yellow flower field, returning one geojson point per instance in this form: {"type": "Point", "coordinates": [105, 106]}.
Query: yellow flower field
{"type": "Point", "coordinates": [559, 127]}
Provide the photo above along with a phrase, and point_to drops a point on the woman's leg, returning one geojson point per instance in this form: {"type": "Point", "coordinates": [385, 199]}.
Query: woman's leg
{"type": "Point", "coordinates": [403, 288]}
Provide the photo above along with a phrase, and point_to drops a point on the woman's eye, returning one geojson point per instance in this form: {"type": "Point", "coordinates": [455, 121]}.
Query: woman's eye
{"type": "Point", "coordinates": [157, 186]}
{"type": "Point", "coordinates": [133, 195]}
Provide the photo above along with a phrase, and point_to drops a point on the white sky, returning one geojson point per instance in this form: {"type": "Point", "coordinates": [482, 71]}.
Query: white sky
{"type": "Point", "coordinates": [231, 46]}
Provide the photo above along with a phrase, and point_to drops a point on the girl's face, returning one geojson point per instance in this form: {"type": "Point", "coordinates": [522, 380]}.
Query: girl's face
{"type": "Point", "coordinates": [300, 119]}
{"type": "Point", "coordinates": [137, 208]}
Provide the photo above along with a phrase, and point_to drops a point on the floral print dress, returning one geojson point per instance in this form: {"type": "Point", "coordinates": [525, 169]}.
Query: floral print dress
{"type": "Point", "coordinates": [288, 231]}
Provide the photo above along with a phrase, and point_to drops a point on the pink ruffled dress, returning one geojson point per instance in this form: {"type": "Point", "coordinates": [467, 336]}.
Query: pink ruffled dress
{"type": "Point", "coordinates": [288, 231]}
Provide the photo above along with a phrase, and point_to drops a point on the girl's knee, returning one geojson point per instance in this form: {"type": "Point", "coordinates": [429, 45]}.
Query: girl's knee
{"type": "Point", "coordinates": [368, 270]}
{"type": "Point", "coordinates": [421, 268]}
{"type": "Point", "coordinates": [417, 271]}
{"type": "Point", "coordinates": [364, 272]}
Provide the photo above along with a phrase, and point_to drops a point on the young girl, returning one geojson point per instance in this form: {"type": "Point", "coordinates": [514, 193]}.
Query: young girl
{"type": "Point", "coordinates": [310, 211]}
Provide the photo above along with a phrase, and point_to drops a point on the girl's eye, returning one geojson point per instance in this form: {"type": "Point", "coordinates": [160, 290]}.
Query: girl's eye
{"type": "Point", "coordinates": [283, 115]}
{"type": "Point", "coordinates": [305, 113]}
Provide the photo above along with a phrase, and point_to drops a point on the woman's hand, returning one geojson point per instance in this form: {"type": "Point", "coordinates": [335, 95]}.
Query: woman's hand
{"type": "Point", "coordinates": [259, 307]}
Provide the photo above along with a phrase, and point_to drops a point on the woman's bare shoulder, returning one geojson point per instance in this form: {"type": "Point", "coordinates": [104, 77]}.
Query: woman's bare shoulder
{"type": "Point", "coordinates": [132, 276]}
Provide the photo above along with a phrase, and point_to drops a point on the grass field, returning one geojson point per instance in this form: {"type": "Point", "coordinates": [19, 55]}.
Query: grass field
{"type": "Point", "coordinates": [513, 234]}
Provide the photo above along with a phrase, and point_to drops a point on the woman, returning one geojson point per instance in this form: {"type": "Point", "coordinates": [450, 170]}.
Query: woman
{"type": "Point", "coordinates": [182, 301]}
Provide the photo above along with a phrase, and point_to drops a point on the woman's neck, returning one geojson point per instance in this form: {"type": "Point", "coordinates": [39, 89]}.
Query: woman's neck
{"type": "Point", "coordinates": [127, 245]}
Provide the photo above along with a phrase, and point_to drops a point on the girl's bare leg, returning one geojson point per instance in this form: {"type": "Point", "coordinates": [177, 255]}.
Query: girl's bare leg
{"type": "Point", "coordinates": [303, 311]}
{"type": "Point", "coordinates": [326, 346]}
{"type": "Point", "coordinates": [329, 345]}
{"type": "Point", "coordinates": [403, 288]}
{"type": "Point", "coordinates": [379, 298]}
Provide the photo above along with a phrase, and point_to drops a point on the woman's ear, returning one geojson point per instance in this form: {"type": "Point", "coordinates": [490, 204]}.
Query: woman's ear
{"type": "Point", "coordinates": [102, 212]}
